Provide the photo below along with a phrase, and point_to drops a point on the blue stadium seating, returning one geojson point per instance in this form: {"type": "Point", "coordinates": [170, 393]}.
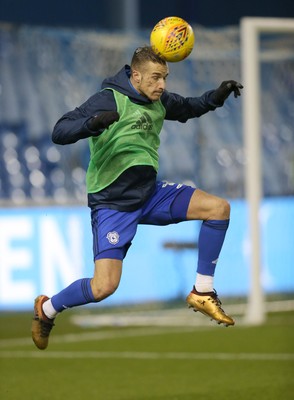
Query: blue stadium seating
{"type": "Point", "coordinates": [45, 72]}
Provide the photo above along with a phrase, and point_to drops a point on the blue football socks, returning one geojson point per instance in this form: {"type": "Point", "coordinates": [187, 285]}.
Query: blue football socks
{"type": "Point", "coordinates": [76, 294]}
{"type": "Point", "coordinates": [211, 238]}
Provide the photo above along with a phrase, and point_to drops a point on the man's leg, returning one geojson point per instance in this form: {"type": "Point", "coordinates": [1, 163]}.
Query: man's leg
{"type": "Point", "coordinates": [113, 232]}
{"type": "Point", "coordinates": [83, 291]}
{"type": "Point", "coordinates": [215, 213]}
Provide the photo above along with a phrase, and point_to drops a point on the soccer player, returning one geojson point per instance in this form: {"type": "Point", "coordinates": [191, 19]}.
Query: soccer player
{"type": "Point", "coordinates": [123, 122]}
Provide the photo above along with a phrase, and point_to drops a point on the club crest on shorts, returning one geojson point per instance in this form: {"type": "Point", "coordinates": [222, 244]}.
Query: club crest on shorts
{"type": "Point", "coordinates": [112, 237]}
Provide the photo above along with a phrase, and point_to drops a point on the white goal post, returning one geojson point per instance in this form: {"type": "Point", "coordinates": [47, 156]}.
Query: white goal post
{"type": "Point", "coordinates": [251, 28]}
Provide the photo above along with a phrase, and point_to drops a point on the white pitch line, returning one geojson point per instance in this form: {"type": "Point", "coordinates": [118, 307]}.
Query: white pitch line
{"type": "Point", "coordinates": [148, 355]}
{"type": "Point", "coordinates": [168, 317]}
{"type": "Point", "coordinates": [95, 336]}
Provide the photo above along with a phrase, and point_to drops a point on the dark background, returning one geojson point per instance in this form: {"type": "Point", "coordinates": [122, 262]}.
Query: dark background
{"type": "Point", "coordinates": [110, 15]}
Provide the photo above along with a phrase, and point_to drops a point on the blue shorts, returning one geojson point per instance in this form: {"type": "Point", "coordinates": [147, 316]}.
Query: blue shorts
{"type": "Point", "coordinates": [113, 231]}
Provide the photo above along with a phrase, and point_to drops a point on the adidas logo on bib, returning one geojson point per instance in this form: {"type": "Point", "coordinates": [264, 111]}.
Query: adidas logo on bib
{"type": "Point", "coordinates": [144, 122]}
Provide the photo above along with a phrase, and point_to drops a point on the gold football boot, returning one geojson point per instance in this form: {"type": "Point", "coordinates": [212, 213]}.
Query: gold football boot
{"type": "Point", "coordinates": [209, 304]}
{"type": "Point", "coordinates": [41, 325]}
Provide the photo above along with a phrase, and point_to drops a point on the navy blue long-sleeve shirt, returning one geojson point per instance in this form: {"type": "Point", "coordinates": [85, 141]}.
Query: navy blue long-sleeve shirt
{"type": "Point", "coordinates": [72, 126]}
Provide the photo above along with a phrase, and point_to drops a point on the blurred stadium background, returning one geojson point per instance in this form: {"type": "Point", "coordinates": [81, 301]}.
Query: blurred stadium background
{"type": "Point", "coordinates": [49, 65]}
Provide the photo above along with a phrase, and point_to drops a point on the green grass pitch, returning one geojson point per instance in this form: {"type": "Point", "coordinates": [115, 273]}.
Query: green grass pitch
{"type": "Point", "coordinates": [148, 363]}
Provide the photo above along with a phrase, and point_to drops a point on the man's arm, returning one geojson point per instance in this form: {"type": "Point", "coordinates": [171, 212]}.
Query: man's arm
{"type": "Point", "coordinates": [90, 119]}
{"type": "Point", "coordinates": [181, 108]}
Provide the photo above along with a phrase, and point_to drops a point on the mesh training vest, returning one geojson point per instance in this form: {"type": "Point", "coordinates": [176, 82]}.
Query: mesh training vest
{"type": "Point", "coordinates": [133, 140]}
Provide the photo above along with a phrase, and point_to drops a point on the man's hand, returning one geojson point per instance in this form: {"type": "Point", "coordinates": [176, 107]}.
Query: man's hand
{"type": "Point", "coordinates": [225, 89]}
{"type": "Point", "coordinates": [102, 121]}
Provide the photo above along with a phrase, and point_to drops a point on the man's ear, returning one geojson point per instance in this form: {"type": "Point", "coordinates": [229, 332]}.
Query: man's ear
{"type": "Point", "coordinates": [136, 76]}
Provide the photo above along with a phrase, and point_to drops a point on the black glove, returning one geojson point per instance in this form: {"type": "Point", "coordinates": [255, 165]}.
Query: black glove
{"type": "Point", "coordinates": [102, 121]}
{"type": "Point", "coordinates": [225, 89]}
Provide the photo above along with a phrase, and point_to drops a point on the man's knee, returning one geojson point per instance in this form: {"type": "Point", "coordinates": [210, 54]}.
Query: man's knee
{"type": "Point", "coordinates": [223, 209]}
{"type": "Point", "coordinates": [102, 290]}
{"type": "Point", "coordinates": [106, 278]}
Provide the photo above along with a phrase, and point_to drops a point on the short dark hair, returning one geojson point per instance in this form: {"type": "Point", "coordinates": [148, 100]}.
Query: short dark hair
{"type": "Point", "coordinates": [143, 54]}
